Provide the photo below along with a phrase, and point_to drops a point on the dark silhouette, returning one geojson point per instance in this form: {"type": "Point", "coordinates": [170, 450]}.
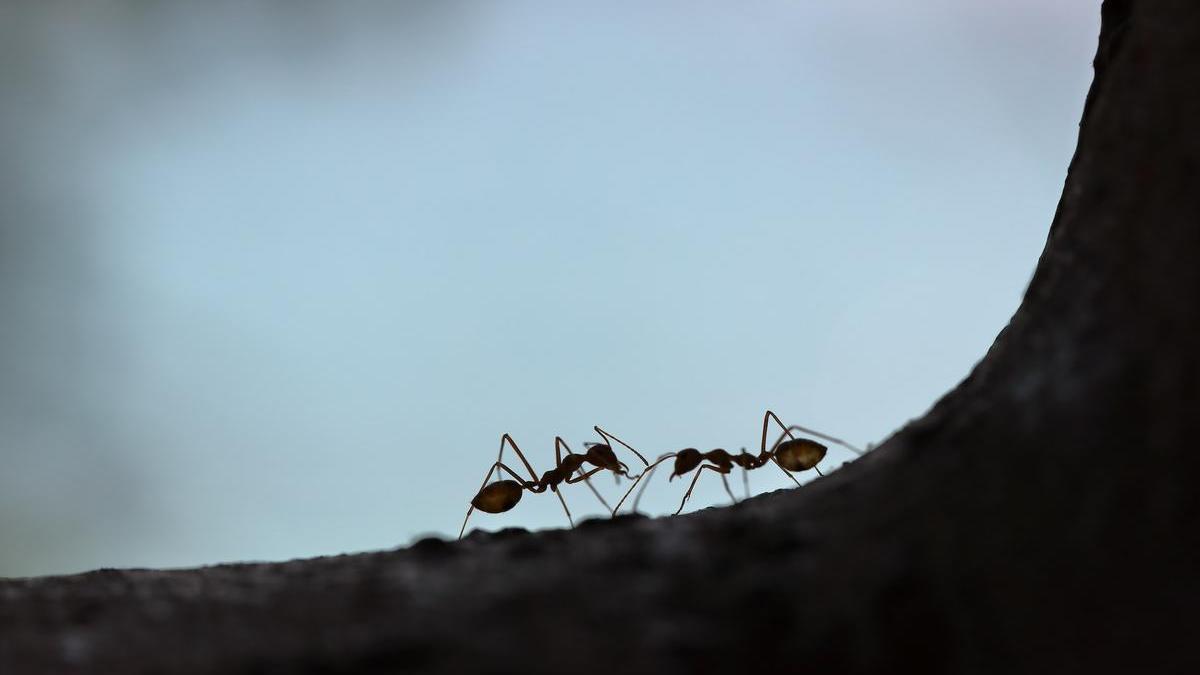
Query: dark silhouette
{"type": "Point", "coordinates": [790, 455]}
{"type": "Point", "coordinates": [502, 495]}
{"type": "Point", "coordinates": [1041, 518]}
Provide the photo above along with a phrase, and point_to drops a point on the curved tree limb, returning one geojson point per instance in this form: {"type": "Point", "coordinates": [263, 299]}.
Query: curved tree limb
{"type": "Point", "coordinates": [1042, 517]}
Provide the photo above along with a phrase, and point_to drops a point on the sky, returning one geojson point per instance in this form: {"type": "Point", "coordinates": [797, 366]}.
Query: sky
{"type": "Point", "coordinates": [275, 277]}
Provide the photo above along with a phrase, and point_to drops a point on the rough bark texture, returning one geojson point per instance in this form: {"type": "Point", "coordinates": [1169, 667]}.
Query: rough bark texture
{"type": "Point", "coordinates": [1041, 518]}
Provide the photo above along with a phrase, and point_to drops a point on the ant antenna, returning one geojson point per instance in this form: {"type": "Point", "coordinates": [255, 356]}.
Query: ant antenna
{"type": "Point", "coordinates": [609, 437]}
{"type": "Point", "coordinates": [803, 430]}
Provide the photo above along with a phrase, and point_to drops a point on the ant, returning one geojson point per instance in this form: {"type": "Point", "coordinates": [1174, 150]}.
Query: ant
{"type": "Point", "coordinates": [504, 494]}
{"type": "Point", "coordinates": [793, 454]}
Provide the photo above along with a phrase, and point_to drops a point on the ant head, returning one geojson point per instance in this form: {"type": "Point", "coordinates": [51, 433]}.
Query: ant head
{"type": "Point", "coordinates": [602, 455]}
{"type": "Point", "coordinates": [498, 497]}
{"type": "Point", "coordinates": [799, 454]}
{"type": "Point", "coordinates": [685, 460]}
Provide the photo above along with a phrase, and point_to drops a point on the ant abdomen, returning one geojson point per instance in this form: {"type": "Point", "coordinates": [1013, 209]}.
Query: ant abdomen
{"type": "Point", "coordinates": [799, 454]}
{"type": "Point", "coordinates": [498, 497]}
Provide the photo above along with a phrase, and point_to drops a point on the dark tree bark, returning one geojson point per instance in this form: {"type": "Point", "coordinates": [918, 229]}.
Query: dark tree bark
{"type": "Point", "coordinates": [1041, 518]}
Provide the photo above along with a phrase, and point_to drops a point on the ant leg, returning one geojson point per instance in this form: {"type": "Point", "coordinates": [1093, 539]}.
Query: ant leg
{"type": "Point", "coordinates": [785, 471]}
{"type": "Point", "coordinates": [687, 495]}
{"type": "Point", "coordinates": [564, 503]}
{"type": "Point", "coordinates": [609, 437]}
{"type": "Point", "coordinates": [727, 490]}
{"type": "Point", "coordinates": [746, 482]}
{"type": "Point", "coordinates": [649, 470]}
{"type": "Point", "coordinates": [560, 443]}
{"type": "Point", "coordinates": [637, 499]}
{"type": "Point", "coordinates": [763, 447]}
{"type": "Point", "coordinates": [831, 439]}
{"type": "Point", "coordinates": [766, 420]}
{"type": "Point", "coordinates": [506, 437]}
{"type": "Point", "coordinates": [464, 525]}
{"type": "Point", "coordinates": [787, 430]}
{"type": "Point", "coordinates": [583, 476]}
{"type": "Point", "coordinates": [502, 465]}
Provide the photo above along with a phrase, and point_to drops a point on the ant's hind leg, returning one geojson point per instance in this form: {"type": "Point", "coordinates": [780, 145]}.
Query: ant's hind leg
{"type": "Point", "coordinates": [500, 457]}
{"type": "Point", "coordinates": [766, 422]}
{"type": "Point", "coordinates": [638, 498]}
{"type": "Point", "coordinates": [831, 439]}
{"type": "Point", "coordinates": [584, 477]}
{"type": "Point", "coordinates": [464, 525]}
{"type": "Point", "coordinates": [729, 492]}
{"type": "Point", "coordinates": [687, 495]}
{"type": "Point", "coordinates": [785, 471]}
{"type": "Point", "coordinates": [645, 475]}
{"type": "Point", "coordinates": [564, 503]}
{"type": "Point", "coordinates": [763, 446]}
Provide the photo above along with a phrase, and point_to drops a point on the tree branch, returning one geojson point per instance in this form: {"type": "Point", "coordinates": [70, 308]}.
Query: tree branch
{"type": "Point", "coordinates": [1040, 518]}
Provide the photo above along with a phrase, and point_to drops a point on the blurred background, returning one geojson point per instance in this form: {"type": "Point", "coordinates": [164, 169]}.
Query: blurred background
{"type": "Point", "coordinates": [275, 276]}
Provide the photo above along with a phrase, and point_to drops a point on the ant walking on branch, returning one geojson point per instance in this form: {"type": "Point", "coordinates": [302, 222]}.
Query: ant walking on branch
{"type": "Point", "coordinates": [504, 494]}
{"type": "Point", "coordinates": [791, 455]}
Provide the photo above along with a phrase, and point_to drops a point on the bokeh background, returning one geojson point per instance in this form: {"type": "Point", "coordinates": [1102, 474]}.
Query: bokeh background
{"type": "Point", "coordinates": [275, 276]}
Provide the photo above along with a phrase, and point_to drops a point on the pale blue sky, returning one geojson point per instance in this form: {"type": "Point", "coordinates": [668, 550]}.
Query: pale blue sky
{"type": "Point", "coordinates": [330, 255]}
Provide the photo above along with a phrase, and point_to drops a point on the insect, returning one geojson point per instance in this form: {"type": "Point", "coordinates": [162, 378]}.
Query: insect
{"type": "Point", "coordinates": [791, 455]}
{"type": "Point", "coordinates": [504, 494]}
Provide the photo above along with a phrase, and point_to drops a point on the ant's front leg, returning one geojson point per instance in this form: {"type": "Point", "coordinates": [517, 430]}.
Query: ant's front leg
{"type": "Point", "coordinates": [499, 458]}
{"type": "Point", "coordinates": [687, 495]}
{"type": "Point", "coordinates": [645, 475]}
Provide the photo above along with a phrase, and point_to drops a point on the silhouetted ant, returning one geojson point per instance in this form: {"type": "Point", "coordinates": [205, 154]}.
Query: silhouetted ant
{"type": "Point", "coordinates": [504, 494]}
{"type": "Point", "coordinates": [793, 454]}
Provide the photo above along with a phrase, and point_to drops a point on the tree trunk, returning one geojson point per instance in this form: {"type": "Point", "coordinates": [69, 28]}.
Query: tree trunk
{"type": "Point", "coordinates": [1042, 517]}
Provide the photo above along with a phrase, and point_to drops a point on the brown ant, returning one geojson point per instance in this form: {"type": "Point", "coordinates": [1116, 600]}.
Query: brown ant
{"type": "Point", "coordinates": [793, 454]}
{"type": "Point", "coordinates": [504, 494]}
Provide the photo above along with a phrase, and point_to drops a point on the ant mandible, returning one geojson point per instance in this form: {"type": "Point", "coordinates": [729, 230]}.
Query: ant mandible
{"type": "Point", "coordinates": [791, 455]}
{"type": "Point", "coordinates": [504, 494]}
